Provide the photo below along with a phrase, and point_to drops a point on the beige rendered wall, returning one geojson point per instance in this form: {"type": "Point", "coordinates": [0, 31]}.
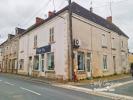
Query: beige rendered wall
{"type": "Point", "coordinates": [90, 36]}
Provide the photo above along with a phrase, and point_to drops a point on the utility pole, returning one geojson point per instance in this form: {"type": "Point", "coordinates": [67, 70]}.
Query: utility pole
{"type": "Point", "coordinates": [71, 55]}
{"type": "Point", "coordinates": [110, 7]}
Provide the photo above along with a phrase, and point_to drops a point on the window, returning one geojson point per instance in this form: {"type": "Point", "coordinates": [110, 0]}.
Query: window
{"type": "Point", "coordinates": [21, 63]}
{"type": "Point", "coordinates": [81, 61]}
{"type": "Point", "coordinates": [104, 41]}
{"type": "Point", "coordinates": [104, 62]}
{"type": "Point", "coordinates": [51, 34]}
{"type": "Point", "coordinates": [113, 43]}
{"type": "Point", "coordinates": [35, 41]}
{"type": "Point", "coordinates": [0, 52]}
{"type": "Point", "coordinates": [42, 56]}
{"type": "Point", "coordinates": [36, 62]}
{"type": "Point", "coordinates": [50, 61]}
{"type": "Point", "coordinates": [88, 62]}
{"type": "Point", "coordinates": [122, 44]}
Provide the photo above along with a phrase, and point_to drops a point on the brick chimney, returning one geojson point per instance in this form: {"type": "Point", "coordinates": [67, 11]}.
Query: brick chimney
{"type": "Point", "coordinates": [109, 19]}
{"type": "Point", "coordinates": [51, 13]}
{"type": "Point", "coordinates": [10, 36]}
{"type": "Point", "coordinates": [39, 20]}
{"type": "Point", "coordinates": [19, 31]}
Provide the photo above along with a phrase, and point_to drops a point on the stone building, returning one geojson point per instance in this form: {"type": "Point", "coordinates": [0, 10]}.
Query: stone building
{"type": "Point", "coordinates": [100, 47]}
{"type": "Point", "coordinates": [9, 52]}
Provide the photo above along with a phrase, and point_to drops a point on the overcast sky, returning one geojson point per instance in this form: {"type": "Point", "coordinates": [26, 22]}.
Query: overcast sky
{"type": "Point", "coordinates": [22, 13]}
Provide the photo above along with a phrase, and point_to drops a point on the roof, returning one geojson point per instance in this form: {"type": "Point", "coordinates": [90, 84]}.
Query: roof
{"type": "Point", "coordinates": [79, 10]}
{"type": "Point", "coordinates": [19, 30]}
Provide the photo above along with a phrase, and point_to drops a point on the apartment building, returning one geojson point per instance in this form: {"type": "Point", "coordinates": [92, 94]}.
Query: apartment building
{"type": "Point", "coordinates": [100, 47]}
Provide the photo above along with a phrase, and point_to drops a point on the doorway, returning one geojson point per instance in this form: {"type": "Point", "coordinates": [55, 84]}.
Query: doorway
{"type": "Point", "coordinates": [88, 65]}
{"type": "Point", "coordinates": [30, 66]}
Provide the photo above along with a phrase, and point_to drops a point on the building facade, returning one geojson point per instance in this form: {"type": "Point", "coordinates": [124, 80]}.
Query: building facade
{"type": "Point", "coordinates": [100, 48]}
{"type": "Point", "coordinates": [9, 52]}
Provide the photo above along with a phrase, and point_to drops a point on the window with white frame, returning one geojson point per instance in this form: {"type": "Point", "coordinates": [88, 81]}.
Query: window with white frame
{"type": "Point", "coordinates": [35, 41]}
{"type": "Point", "coordinates": [81, 60]}
{"type": "Point", "coordinates": [50, 61]}
{"type": "Point", "coordinates": [105, 62]}
{"type": "Point", "coordinates": [51, 34]}
{"type": "Point", "coordinates": [104, 40]}
{"type": "Point", "coordinates": [113, 43]}
{"type": "Point", "coordinates": [21, 64]}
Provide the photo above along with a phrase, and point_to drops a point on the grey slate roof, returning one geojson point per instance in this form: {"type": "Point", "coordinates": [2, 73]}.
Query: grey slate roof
{"type": "Point", "coordinates": [79, 10]}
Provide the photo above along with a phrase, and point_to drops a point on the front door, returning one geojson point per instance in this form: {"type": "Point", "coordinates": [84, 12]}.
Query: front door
{"type": "Point", "coordinates": [88, 65]}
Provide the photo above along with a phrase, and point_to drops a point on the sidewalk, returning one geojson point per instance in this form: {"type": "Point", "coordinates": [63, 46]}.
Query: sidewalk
{"type": "Point", "coordinates": [79, 83]}
{"type": "Point", "coordinates": [29, 78]}
{"type": "Point", "coordinates": [103, 79]}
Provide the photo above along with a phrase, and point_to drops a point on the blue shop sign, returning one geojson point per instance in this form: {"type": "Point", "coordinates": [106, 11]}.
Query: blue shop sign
{"type": "Point", "coordinates": [43, 49]}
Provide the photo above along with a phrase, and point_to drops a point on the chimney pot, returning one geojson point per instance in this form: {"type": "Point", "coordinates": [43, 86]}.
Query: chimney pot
{"type": "Point", "coordinates": [91, 9]}
{"type": "Point", "coordinates": [39, 20]}
{"type": "Point", "coordinates": [109, 19]}
{"type": "Point", "coordinates": [50, 13]}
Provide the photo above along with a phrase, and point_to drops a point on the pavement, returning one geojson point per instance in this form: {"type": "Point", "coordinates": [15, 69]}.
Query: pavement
{"type": "Point", "coordinates": [120, 89]}
{"type": "Point", "coordinates": [15, 88]}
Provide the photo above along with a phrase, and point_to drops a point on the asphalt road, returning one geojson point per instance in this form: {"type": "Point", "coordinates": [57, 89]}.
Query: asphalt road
{"type": "Point", "coordinates": [124, 90]}
{"type": "Point", "coordinates": [12, 88]}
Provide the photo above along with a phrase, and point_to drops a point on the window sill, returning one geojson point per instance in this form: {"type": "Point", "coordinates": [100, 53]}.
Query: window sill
{"type": "Point", "coordinates": [113, 48]}
{"type": "Point", "coordinates": [51, 42]}
{"type": "Point", "coordinates": [34, 70]}
{"type": "Point", "coordinates": [35, 47]}
{"type": "Point", "coordinates": [105, 70]}
{"type": "Point", "coordinates": [81, 71]}
{"type": "Point", "coordinates": [21, 51]}
{"type": "Point", "coordinates": [50, 71]}
{"type": "Point", "coordinates": [122, 50]}
{"type": "Point", "coordinates": [104, 46]}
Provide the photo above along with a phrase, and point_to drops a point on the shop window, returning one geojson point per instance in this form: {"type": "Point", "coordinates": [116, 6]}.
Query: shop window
{"type": "Point", "coordinates": [42, 56]}
{"type": "Point", "coordinates": [36, 62]}
{"type": "Point", "coordinates": [21, 63]}
{"type": "Point", "coordinates": [81, 61]}
{"type": "Point", "coordinates": [50, 61]}
{"type": "Point", "coordinates": [105, 62]}
{"type": "Point", "coordinates": [51, 35]}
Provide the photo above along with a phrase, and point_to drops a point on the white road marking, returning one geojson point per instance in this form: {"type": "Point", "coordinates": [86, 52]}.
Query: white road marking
{"type": "Point", "coordinates": [30, 90]}
{"type": "Point", "coordinates": [121, 84]}
{"type": "Point", "coordinates": [9, 83]}
{"type": "Point", "coordinates": [90, 91]}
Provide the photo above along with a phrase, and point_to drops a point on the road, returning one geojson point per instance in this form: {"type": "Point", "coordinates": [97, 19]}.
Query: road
{"type": "Point", "coordinates": [12, 88]}
{"type": "Point", "coordinates": [124, 90]}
